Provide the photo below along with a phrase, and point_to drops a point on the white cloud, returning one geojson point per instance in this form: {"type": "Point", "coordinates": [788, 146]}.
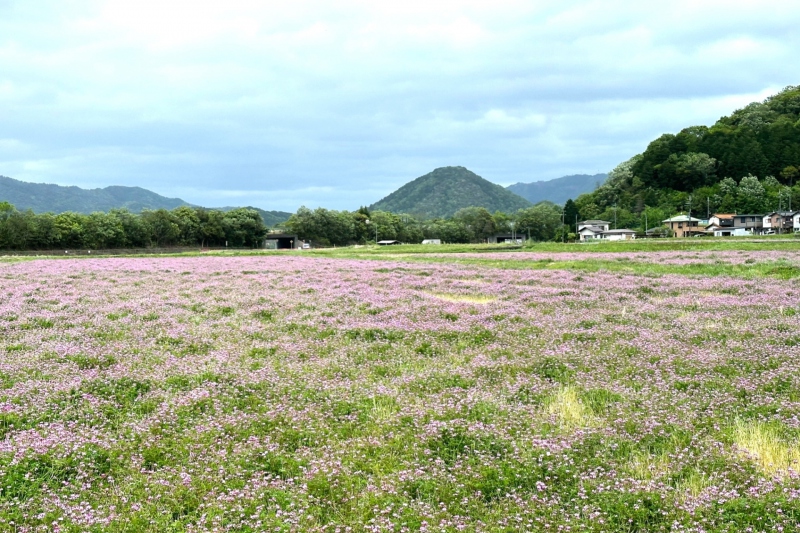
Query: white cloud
{"type": "Point", "coordinates": [361, 96]}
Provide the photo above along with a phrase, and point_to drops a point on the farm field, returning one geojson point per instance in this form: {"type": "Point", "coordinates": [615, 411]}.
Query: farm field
{"type": "Point", "coordinates": [493, 392]}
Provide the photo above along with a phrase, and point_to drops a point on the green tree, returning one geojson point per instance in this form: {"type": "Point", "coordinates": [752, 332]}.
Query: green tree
{"type": "Point", "coordinates": [478, 222]}
{"type": "Point", "coordinates": [161, 227]}
{"type": "Point", "coordinates": [751, 195]}
{"type": "Point", "coordinates": [244, 227]}
{"type": "Point", "coordinates": [571, 214]}
{"type": "Point", "coordinates": [541, 221]}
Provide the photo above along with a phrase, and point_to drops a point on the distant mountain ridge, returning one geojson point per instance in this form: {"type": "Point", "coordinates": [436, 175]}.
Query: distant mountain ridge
{"type": "Point", "coordinates": [44, 197]}
{"type": "Point", "coordinates": [445, 190]}
{"type": "Point", "coordinates": [558, 190]}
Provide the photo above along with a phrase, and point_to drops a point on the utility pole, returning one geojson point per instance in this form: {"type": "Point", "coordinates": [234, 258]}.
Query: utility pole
{"type": "Point", "coordinates": [615, 215]}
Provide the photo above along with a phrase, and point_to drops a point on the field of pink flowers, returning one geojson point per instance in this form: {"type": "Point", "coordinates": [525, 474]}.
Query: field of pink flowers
{"type": "Point", "coordinates": [279, 393]}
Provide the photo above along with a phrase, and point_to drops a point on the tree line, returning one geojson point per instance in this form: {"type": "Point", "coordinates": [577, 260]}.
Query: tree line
{"type": "Point", "coordinates": [326, 227]}
{"type": "Point", "coordinates": [119, 228]}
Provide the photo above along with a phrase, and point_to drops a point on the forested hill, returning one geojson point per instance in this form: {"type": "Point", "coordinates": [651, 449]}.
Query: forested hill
{"type": "Point", "coordinates": [762, 139]}
{"type": "Point", "coordinates": [558, 190]}
{"type": "Point", "coordinates": [43, 198]}
{"type": "Point", "coordinates": [446, 190]}
{"type": "Point", "coordinates": [745, 162]}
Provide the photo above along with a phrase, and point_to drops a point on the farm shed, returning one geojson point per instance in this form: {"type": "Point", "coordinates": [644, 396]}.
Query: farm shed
{"type": "Point", "coordinates": [280, 241]}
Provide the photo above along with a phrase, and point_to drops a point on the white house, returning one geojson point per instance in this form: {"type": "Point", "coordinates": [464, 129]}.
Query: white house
{"type": "Point", "coordinates": [796, 222]}
{"type": "Point", "coordinates": [602, 224]}
{"type": "Point", "coordinates": [618, 235]}
{"type": "Point", "coordinates": [718, 231]}
{"type": "Point", "coordinates": [588, 233]}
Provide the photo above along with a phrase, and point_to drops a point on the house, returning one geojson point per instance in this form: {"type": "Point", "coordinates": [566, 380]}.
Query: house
{"type": "Point", "coordinates": [618, 235]}
{"type": "Point", "coordinates": [602, 224]}
{"type": "Point", "coordinates": [432, 241]}
{"type": "Point", "coordinates": [588, 233]}
{"type": "Point", "coordinates": [592, 229]}
{"type": "Point", "coordinates": [751, 222]}
{"type": "Point", "coordinates": [719, 231]}
{"type": "Point", "coordinates": [778, 221]}
{"type": "Point", "coordinates": [684, 226]}
{"type": "Point", "coordinates": [796, 222]}
{"type": "Point", "coordinates": [722, 220]}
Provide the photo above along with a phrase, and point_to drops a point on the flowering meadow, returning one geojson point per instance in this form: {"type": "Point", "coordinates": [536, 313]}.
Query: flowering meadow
{"type": "Point", "coordinates": [299, 393]}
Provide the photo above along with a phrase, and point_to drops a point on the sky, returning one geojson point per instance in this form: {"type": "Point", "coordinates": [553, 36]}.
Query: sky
{"type": "Point", "coordinates": [337, 103]}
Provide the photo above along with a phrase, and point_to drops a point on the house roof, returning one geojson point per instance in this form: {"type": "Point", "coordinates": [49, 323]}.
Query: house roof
{"type": "Point", "coordinates": [682, 218]}
{"type": "Point", "coordinates": [593, 229]}
{"type": "Point", "coordinates": [723, 215]}
{"type": "Point", "coordinates": [595, 222]}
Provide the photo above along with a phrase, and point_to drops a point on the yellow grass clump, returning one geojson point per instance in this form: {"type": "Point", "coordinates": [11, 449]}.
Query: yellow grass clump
{"type": "Point", "coordinates": [762, 443]}
{"type": "Point", "coordinates": [464, 298]}
{"type": "Point", "coordinates": [569, 409]}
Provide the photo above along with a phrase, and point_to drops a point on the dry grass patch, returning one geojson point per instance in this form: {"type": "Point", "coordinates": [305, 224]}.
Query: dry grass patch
{"type": "Point", "coordinates": [463, 298]}
{"type": "Point", "coordinates": [568, 408]}
{"type": "Point", "coordinates": [763, 444]}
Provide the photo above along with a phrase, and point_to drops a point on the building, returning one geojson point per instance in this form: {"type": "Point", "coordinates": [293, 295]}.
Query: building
{"type": "Point", "coordinates": [719, 231]}
{"type": "Point", "coordinates": [432, 241]}
{"type": "Point", "coordinates": [592, 229]}
{"type": "Point", "coordinates": [281, 241]}
{"type": "Point", "coordinates": [506, 238]}
{"type": "Point", "coordinates": [588, 233]}
{"type": "Point", "coordinates": [618, 235]}
{"type": "Point", "coordinates": [684, 226]}
{"type": "Point", "coordinates": [722, 220]}
{"type": "Point", "coordinates": [602, 224]}
{"type": "Point", "coordinates": [778, 221]}
{"type": "Point", "coordinates": [751, 222]}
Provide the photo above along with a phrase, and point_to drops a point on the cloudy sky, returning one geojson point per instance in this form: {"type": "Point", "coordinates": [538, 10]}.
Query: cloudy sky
{"type": "Point", "coordinates": [336, 103]}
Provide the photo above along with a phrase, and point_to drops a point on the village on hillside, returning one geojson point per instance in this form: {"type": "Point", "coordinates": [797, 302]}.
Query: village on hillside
{"type": "Point", "coordinates": [717, 225]}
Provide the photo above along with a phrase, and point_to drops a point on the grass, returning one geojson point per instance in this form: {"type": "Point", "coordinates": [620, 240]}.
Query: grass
{"type": "Point", "coordinates": [568, 408]}
{"type": "Point", "coordinates": [270, 392]}
{"type": "Point", "coordinates": [763, 444]}
{"type": "Point", "coordinates": [479, 299]}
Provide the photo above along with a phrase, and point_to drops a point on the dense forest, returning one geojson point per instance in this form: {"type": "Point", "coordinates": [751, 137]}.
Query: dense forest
{"type": "Point", "coordinates": [747, 162]}
{"type": "Point", "coordinates": [119, 228]}
{"type": "Point", "coordinates": [321, 226]}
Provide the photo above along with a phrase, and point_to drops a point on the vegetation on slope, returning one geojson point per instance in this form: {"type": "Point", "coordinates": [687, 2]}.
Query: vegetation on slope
{"type": "Point", "coordinates": [45, 197]}
{"type": "Point", "coordinates": [446, 190]}
{"type": "Point", "coordinates": [746, 162]}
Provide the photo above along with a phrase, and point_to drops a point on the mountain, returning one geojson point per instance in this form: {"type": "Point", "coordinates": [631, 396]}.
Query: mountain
{"type": "Point", "coordinates": [446, 190]}
{"type": "Point", "coordinates": [43, 197]}
{"type": "Point", "coordinates": [558, 190]}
